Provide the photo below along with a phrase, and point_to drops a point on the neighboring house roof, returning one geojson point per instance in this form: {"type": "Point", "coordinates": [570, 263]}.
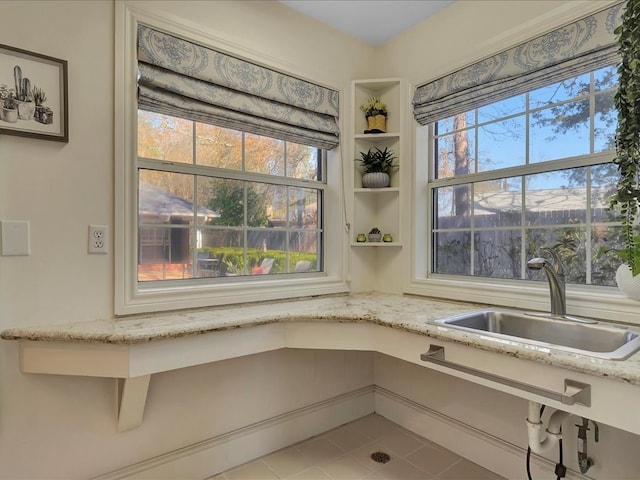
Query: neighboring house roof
{"type": "Point", "coordinates": [544, 200]}
{"type": "Point", "coordinates": [155, 201]}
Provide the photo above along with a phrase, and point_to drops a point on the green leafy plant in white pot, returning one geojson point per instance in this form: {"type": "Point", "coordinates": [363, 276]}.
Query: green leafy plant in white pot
{"type": "Point", "coordinates": [626, 200]}
{"type": "Point", "coordinates": [9, 108]}
{"type": "Point", "coordinates": [376, 167]}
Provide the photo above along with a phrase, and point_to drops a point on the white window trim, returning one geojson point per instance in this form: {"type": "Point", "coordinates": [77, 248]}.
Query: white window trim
{"type": "Point", "coordinates": [128, 297]}
{"type": "Point", "coordinates": [584, 300]}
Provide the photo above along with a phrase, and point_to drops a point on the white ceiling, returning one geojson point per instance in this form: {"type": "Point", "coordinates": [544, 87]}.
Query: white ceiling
{"type": "Point", "coordinates": [372, 21]}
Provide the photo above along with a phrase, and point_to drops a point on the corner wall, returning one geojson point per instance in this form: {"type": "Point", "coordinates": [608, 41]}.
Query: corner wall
{"type": "Point", "coordinates": [64, 427]}
{"type": "Point", "coordinates": [465, 32]}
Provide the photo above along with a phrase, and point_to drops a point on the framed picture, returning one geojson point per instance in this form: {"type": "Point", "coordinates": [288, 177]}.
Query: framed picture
{"type": "Point", "coordinates": [33, 95]}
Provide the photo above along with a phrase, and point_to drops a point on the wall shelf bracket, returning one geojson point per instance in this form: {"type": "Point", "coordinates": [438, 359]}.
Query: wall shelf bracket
{"type": "Point", "coordinates": [132, 397]}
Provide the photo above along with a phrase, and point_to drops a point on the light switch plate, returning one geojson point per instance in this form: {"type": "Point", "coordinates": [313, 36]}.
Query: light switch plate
{"type": "Point", "coordinates": [15, 238]}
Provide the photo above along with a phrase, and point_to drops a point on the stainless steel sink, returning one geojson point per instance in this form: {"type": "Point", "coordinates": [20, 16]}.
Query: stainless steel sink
{"type": "Point", "coordinates": [569, 334]}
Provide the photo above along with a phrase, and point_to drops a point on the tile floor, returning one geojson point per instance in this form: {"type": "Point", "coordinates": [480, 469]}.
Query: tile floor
{"type": "Point", "coordinates": [344, 454]}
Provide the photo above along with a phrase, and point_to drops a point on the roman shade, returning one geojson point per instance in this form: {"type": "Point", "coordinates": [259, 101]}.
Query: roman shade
{"type": "Point", "coordinates": [581, 46]}
{"type": "Point", "coordinates": [180, 78]}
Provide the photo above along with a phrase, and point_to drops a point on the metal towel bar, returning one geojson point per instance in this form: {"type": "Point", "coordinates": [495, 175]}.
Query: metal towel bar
{"type": "Point", "coordinates": [574, 392]}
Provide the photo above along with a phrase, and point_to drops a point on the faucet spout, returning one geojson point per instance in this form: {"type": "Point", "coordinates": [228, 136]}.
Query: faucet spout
{"type": "Point", "coordinates": [556, 285]}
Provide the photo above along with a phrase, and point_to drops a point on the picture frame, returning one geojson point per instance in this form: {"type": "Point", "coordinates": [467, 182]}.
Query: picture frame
{"type": "Point", "coordinates": [35, 85]}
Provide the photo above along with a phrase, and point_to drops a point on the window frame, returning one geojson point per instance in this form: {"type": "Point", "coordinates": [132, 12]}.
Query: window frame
{"type": "Point", "coordinates": [196, 169]}
{"type": "Point", "coordinates": [129, 297]}
{"type": "Point", "coordinates": [528, 167]}
{"type": "Point", "coordinates": [587, 300]}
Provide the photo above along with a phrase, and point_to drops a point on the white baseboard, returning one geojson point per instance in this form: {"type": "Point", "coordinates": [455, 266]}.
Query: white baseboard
{"type": "Point", "coordinates": [214, 455]}
{"type": "Point", "coordinates": [488, 451]}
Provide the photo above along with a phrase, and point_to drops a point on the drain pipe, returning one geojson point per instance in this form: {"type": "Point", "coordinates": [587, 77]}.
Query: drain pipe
{"type": "Point", "coordinates": [543, 443]}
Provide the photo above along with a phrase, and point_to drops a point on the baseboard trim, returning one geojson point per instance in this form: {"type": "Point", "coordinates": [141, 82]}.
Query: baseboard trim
{"type": "Point", "coordinates": [209, 457]}
{"type": "Point", "coordinates": [489, 451]}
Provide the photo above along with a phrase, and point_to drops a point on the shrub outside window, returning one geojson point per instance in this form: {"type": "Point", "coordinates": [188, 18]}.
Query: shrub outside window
{"type": "Point", "coordinates": [220, 204]}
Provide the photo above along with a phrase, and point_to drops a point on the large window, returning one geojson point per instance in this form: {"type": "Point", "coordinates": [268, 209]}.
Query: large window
{"type": "Point", "coordinates": [521, 174]}
{"type": "Point", "coordinates": [227, 176]}
{"type": "Point", "coordinates": [220, 204]}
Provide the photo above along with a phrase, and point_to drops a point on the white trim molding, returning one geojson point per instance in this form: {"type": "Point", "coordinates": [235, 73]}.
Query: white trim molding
{"type": "Point", "coordinates": [130, 296]}
{"type": "Point", "coordinates": [223, 452]}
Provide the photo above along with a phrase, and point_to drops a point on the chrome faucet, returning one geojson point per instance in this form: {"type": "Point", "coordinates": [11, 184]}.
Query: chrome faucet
{"type": "Point", "coordinates": [555, 271]}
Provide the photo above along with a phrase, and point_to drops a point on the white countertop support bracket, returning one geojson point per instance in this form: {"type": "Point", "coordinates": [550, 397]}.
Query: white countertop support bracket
{"type": "Point", "coordinates": [132, 397]}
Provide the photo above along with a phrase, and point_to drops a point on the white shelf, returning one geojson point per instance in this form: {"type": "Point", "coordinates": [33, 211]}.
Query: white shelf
{"type": "Point", "coordinates": [376, 244]}
{"type": "Point", "coordinates": [379, 207]}
{"type": "Point", "coordinates": [376, 190]}
{"type": "Point", "coordinates": [376, 136]}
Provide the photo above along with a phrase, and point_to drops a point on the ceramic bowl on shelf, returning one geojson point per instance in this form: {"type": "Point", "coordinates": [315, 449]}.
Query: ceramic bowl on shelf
{"type": "Point", "coordinates": [375, 180]}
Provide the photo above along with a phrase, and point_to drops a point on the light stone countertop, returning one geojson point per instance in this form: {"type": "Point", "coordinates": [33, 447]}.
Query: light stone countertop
{"type": "Point", "coordinates": [408, 313]}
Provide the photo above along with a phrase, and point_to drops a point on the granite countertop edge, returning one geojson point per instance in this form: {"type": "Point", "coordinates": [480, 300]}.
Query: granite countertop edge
{"type": "Point", "coordinates": [403, 312]}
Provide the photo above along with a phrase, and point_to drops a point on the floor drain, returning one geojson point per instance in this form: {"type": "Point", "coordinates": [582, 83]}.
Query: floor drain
{"type": "Point", "coordinates": [380, 457]}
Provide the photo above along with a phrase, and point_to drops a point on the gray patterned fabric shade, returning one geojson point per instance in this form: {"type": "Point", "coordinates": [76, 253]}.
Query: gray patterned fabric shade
{"type": "Point", "coordinates": [566, 52]}
{"type": "Point", "coordinates": [180, 78]}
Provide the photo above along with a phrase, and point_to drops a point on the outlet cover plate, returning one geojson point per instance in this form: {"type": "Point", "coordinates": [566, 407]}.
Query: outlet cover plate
{"type": "Point", "coordinates": [98, 239]}
{"type": "Point", "coordinates": [15, 238]}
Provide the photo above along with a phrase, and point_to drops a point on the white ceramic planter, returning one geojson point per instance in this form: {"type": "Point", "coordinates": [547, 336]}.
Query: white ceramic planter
{"type": "Point", "coordinates": [375, 180]}
{"type": "Point", "coordinates": [627, 283]}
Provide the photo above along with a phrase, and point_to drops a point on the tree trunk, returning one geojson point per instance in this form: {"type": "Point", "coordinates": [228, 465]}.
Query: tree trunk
{"type": "Point", "coordinates": [461, 197]}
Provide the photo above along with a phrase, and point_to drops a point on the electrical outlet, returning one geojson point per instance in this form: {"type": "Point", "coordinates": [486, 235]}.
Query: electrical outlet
{"type": "Point", "coordinates": [98, 238]}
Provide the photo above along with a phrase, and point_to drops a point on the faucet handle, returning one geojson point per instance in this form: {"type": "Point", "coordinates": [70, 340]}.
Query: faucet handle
{"type": "Point", "coordinates": [558, 265]}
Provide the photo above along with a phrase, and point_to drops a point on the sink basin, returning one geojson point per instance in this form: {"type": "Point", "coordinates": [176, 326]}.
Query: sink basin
{"type": "Point", "coordinates": [569, 334]}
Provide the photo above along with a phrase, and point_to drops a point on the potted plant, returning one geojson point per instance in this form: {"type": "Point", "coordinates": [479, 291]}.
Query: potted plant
{"type": "Point", "coordinates": [376, 166]}
{"type": "Point", "coordinates": [9, 109]}
{"type": "Point", "coordinates": [24, 100]}
{"type": "Point", "coordinates": [374, 235]}
{"type": "Point", "coordinates": [376, 113]}
{"type": "Point", "coordinates": [39, 97]}
{"type": "Point", "coordinates": [626, 199]}
{"type": "Point", "coordinates": [4, 94]}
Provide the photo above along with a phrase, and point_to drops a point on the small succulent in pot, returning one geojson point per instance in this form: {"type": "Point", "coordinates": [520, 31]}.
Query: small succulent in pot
{"type": "Point", "coordinates": [375, 235]}
{"type": "Point", "coordinates": [376, 166]}
{"type": "Point", "coordinates": [10, 102]}
{"type": "Point", "coordinates": [10, 108]}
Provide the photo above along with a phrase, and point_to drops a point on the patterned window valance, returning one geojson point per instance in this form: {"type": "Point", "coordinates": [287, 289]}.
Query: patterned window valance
{"type": "Point", "coordinates": [180, 78]}
{"type": "Point", "coordinates": [566, 52]}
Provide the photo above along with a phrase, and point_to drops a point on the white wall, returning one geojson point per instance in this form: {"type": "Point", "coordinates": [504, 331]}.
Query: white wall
{"type": "Point", "coordinates": [64, 427]}
{"type": "Point", "coordinates": [61, 188]}
{"type": "Point", "coordinates": [440, 45]}
{"type": "Point", "coordinates": [470, 30]}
